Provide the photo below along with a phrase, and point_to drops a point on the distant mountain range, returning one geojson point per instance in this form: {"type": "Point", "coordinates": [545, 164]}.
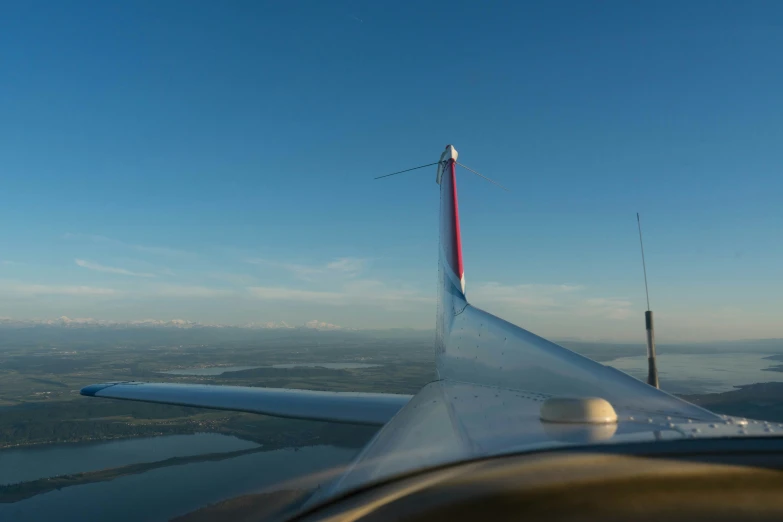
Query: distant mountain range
{"type": "Point", "coordinates": [88, 322]}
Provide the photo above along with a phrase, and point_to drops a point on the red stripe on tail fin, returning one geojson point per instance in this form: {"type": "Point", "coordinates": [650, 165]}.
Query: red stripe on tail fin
{"type": "Point", "coordinates": [457, 237]}
{"type": "Point", "coordinates": [450, 239]}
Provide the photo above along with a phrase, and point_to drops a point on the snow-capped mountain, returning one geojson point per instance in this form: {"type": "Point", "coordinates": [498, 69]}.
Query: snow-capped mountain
{"type": "Point", "coordinates": [320, 325]}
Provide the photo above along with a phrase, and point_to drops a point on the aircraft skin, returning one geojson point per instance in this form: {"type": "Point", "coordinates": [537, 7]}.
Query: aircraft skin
{"type": "Point", "coordinates": [492, 379]}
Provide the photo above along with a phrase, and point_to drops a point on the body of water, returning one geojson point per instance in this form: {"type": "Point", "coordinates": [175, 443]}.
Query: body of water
{"type": "Point", "coordinates": [25, 464]}
{"type": "Point", "coordinates": [212, 370]}
{"type": "Point", "coordinates": [702, 373]}
{"type": "Point", "coordinates": [219, 370]}
{"type": "Point", "coordinates": [164, 493]}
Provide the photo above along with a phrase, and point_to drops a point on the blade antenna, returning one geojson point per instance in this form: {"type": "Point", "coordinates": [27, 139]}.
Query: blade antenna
{"type": "Point", "coordinates": [652, 367]}
{"type": "Point", "coordinates": [483, 176]}
{"type": "Point", "coordinates": [407, 170]}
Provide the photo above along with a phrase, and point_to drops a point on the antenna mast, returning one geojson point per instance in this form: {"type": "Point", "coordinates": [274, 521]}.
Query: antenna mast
{"type": "Point", "coordinates": [652, 368]}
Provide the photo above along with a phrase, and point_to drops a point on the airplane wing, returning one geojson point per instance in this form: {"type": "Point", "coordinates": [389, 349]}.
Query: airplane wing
{"type": "Point", "coordinates": [500, 389]}
{"type": "Point", "coordinates": [353, 408]}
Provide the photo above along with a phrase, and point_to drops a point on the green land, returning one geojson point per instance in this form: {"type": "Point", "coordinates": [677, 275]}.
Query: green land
{"type": "Point", "coordinates": [43, 368]}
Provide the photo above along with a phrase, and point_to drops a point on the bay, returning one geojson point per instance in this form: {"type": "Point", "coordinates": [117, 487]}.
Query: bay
{"type": "Point", "coordinates": [702, 373]}
{"type": "Point", "coordinates": [34, 462]}
{"type": "Point", "coordinates": [164, 493]}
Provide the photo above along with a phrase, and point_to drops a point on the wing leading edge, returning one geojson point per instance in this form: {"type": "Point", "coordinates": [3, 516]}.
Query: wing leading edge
{"type": "Point", "coordinates": [354, 408]}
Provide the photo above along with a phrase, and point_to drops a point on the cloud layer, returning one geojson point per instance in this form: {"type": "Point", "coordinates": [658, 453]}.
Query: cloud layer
{"type": "Point", "coordinates": [243, 289]}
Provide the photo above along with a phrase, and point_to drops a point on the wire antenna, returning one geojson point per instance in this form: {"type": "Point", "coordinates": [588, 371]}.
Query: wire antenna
{"type": "Point", "coordinates": [407, 170]}
{"type": "Point", "coordinates": [644, 265]}
{"type": "Point", "coordinates": [483, 176]}
{"type": "Point", "coordinates": [438, 162]}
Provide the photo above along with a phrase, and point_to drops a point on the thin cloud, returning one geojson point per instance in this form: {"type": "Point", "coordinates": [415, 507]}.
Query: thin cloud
{"type": "Point", "coordinates": [347, 265]}
{"type": "Point", "coordinates": [110, 269]}
{"type": "Point", "coordinates": [232, 278]}
{"type": "Point", "coordinates": [143, 291]}
{"type": "Point", "coordinates": [188, 291]}
{"type": "Point", "coordinates": [90, 237]}
{"type": "Point", "coordinates": [548, 299]}
{"type": "Point", "coordinates": [34, 290]}
{"type": "Point", "coordinates": [164, 251]}
{"type": "Point", "coordinates": [157, 250]}
{"type": "Point", "coordinates": [292, 294]}
{"type": "Point", "coordinates": [609, 307]}
{"type": "Point", "coordinates": [530, 295]}
{"type": "Point", "coordinates": [342, 267]}
{"type": "Point", "coordinates": [380, 291]}
{"type": "Point", "coordinates": [361, 292]}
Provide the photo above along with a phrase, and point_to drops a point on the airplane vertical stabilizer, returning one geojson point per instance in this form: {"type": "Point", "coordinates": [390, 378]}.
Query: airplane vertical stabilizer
{"type": "Point", "coordinates": [451, 274]}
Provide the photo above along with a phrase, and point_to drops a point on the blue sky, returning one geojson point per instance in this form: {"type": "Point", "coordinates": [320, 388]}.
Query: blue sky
{"type": "Point", "coordinates": [214, 162]}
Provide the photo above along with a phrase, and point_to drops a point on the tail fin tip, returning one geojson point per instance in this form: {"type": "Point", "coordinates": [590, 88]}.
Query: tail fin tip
{"type": "Point", "coordinates": [448, 154]}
